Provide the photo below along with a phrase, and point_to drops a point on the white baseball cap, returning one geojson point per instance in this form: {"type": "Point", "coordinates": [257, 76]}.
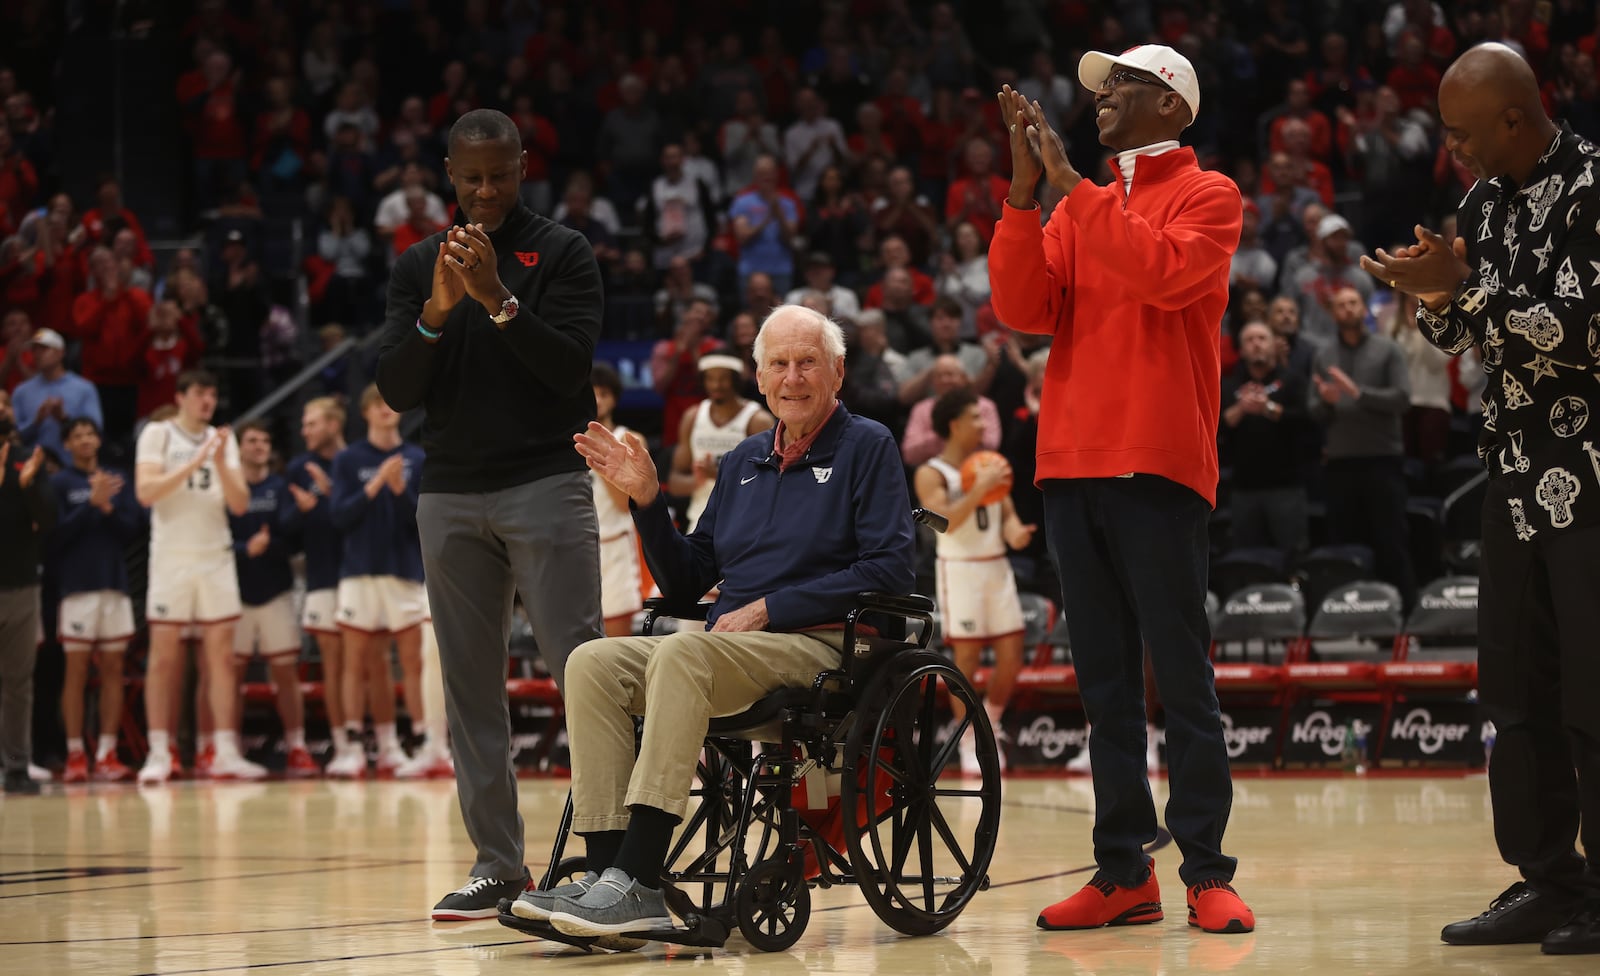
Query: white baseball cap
{"type": "Point", "coordinates": [1332, 224]}
{"type": "Point", "coordinates": [49, 337]}
{"type": "Point", "coordinates": [1171, 67]}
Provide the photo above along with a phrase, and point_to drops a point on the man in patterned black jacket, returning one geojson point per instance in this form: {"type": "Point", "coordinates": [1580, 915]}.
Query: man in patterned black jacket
{"type": "Point", "coordinates": [1523, 283]}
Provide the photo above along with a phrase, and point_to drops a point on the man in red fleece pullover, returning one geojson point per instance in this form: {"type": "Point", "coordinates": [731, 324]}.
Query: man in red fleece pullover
{"type": "Point", "coordinates": [1136, 274]}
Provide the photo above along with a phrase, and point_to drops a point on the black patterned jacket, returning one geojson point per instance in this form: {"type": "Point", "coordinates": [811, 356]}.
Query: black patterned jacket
{"type": "Point", "coordinates": [1533, 304]}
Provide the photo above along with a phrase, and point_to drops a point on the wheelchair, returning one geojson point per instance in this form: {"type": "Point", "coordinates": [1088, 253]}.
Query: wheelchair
{"type": "Point", "coordinates": [917, 846]}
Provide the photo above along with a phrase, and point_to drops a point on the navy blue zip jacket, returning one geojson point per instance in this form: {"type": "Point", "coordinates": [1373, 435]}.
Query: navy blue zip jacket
{"type": "Point", "coordinates": [380, 534]}
{"type": "Point", "coordinates": [318, 534]}
{"type": "Point", "coordinates": [87, 546]}
{"type": "Point", "coordinates": [808, 539]}
{"type": "Point", "coordinates": [264, 578]}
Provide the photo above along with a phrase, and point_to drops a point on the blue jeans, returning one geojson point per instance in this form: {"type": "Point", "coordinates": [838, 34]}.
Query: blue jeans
{"type": "Point", "coordinates": [1131, 557]}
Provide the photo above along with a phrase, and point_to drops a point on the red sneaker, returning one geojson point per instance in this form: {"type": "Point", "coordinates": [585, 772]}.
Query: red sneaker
{"type": "Point", "coordinates": [300, 765]}
{"type": "Point", "coordinates": [77, 770]}
{"type": "Point", "coordinates": [202, 762]}
{"type": "Point", "coordinates": [1215, 907]}
{"type": "Point", "coordinates": [1104, 902]}
{"type": "Point", "coordinates": [111, 770]}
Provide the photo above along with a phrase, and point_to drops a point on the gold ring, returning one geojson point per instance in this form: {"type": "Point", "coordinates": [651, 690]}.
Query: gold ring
{"type": "Point", "coordinates": [1391, 282]}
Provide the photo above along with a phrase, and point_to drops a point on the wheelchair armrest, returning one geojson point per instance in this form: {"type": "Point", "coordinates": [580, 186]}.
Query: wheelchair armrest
{"type": "Point", "coordinates": [911, 603]}
{"type": "Point", "coordinates": [659, 606]}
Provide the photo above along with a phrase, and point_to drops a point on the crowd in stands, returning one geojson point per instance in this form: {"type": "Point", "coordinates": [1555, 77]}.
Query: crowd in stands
{"type": "Point", "coordinates": [723, 157]}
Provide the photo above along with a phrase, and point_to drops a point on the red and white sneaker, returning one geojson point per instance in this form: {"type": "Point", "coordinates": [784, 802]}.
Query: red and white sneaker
{"type": "Point", "coordinates": [1104, 902]}
{"type": "Point", "coordinates": [1215, 907]}
{"type": "Point", "coordinates": [111, 770]}
{"type": "Point", "coordinates": [77, 768]}
{"type": "Point", "coordinates": [203, 761]}
{"type": "Point", "coordinates": [300, 765]}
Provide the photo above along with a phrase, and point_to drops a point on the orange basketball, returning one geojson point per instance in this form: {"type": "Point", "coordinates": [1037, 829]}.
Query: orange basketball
{"type": "Point", "coordinates": [969, 474]}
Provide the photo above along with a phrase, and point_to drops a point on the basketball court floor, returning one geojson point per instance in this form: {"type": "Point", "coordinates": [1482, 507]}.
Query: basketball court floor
{"type": "Point", "coordinates": [1348, 875]}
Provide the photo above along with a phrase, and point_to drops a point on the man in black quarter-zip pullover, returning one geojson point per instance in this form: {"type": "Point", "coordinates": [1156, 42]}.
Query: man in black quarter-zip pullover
{"type": "Point", "coordinates": [491, 327]}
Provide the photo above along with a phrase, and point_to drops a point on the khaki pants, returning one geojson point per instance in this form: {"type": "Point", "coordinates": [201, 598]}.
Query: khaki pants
{"type": "Point", "coordinates": [678, 683]}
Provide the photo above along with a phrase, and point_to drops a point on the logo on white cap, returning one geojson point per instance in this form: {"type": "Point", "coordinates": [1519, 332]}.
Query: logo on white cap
{"type": "Point", "coordinates": [1171, 67]}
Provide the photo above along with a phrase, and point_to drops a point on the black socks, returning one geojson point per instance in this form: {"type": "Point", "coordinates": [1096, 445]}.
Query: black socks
{"type": "Point", "coordinates": [644, 847]}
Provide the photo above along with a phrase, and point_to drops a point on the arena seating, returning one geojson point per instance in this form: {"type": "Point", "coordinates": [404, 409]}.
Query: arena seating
{"type": "Point", "coordinates": [1356, 627]}
{"type": "Point", "coordinates": [1324, 568]}
{"type": "Point", "coordinates": [1264, 621]}
{"type": "Point", "coordinates": [1439, 652]}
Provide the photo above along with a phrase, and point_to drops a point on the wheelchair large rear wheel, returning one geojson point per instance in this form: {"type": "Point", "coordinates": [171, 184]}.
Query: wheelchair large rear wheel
{"type": "Point", "coordinates": [921, 838]}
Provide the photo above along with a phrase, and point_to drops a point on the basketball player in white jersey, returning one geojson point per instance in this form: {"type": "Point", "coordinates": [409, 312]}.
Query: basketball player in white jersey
{"type": "Point", "coordinates": [712, 429]}
{"type": "Point", "coordinates": [187, 472]}
{"type": "Point", "coordinates": [978, 601]}
{"type": "Point", "coordinates": [621, 582]}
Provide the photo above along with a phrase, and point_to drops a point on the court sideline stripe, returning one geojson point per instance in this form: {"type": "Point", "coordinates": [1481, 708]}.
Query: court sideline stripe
{"type": "Point", "coordinates": [207, 880]}
{"type": "Point", "coordinates": [211, 935]}
{"type": "Point", "coordinates": [313, 962]}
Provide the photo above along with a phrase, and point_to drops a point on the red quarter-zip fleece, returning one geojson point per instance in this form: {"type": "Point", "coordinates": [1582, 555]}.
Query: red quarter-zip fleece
{"type": "Point", "coordinates": [1133, 289]}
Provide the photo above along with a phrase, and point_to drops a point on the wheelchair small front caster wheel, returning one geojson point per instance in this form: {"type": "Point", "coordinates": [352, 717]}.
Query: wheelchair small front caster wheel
{"type": "Point", "coordinates": [773, 905]}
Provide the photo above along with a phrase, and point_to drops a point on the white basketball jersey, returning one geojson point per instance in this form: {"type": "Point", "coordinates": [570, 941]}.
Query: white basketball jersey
{"type": "Point", "coordinates": [194, 517]}
{"type": "Point", "coordinates": [613, 521]}
{"type": "Point", "coordinates": [979, 536]}
{"type": "Point", "coordinates": [707, 437]}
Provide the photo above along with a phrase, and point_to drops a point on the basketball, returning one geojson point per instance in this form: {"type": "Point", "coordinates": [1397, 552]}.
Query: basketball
{"type": "Point", "coordinates": [969, 474]}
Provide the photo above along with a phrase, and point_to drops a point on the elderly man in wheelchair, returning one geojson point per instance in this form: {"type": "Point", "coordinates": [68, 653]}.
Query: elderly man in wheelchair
{"type": "Point", "coordinates": [803, 519]}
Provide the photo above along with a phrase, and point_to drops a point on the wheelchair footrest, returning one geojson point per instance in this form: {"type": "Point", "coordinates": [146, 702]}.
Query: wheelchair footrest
{"type": "Point", "coordinates": [698, 931]}
{"type": "Point", "coordinates": [544, 930]}
{"type": "Point", "coordinates": [702, 932]}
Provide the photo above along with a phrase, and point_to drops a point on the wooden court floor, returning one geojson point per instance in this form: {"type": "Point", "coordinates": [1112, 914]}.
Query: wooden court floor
{"type": "Point", "coordinates": [1348, 876]}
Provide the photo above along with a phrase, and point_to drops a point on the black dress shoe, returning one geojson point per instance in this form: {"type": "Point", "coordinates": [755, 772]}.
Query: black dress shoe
{"type": "Point", "coordinates": [18, 784]}
{"type": "Point", "coordinates": [1579, 936]}
{"type": "Point", "coordinates": [1520, 914]}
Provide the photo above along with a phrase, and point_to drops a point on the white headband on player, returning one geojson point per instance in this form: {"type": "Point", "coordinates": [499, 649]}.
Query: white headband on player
{"type": "Point", "coordinates": [721, 361]}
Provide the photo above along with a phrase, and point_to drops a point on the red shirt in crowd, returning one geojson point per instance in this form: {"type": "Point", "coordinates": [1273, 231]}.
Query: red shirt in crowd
{"type": "Point", "coordinates": [540, 141]}
{"type": "Point", "coordinates": [903, 121]}
{"type": "Point", "coordinates": [298, 130]}
{"type": "Point", "coordinates": [162, 363]}
{"type": "Point", "coordinates": [1321, 133]}
{"type": "Point", "coordinates": [1134, 291]}
{"type": "Point", "coordinates": [112, 332]}
{"type": "Point", "coordinates": [938, 148]}
{"type": "Point", "coordinates": [921, 291]}
{"type": "Point", "coordinates": [19, 184]}
{"type": "Point", "coordinates": [965, 201]}
{"type": "Point", "coordinates": [1415, 86]}
{"type": "Point", "coordinates": [686, 388]}
{"type": "Point", "coordinates": [94, 224]}
{"type": "Point", "coordinates": [212, 118]}
{"type": "Point", "coordinates": [24, 282]}
{"type": "Point", "coordinates": [64, 281]}
{"type": "Point", "coordinates": [406, 235]}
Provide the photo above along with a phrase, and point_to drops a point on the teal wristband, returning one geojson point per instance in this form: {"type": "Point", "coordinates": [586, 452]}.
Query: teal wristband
{"type": "Point", "coordinates": [428, 333]}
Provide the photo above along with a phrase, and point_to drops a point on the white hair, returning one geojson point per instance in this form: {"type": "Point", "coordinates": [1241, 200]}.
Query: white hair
{"type": "Point", "coordinates": [832, 335]}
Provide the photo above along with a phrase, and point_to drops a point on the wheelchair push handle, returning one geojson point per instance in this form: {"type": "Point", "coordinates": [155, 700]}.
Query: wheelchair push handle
{"type": "Point", "coordinates": [931, 519]}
